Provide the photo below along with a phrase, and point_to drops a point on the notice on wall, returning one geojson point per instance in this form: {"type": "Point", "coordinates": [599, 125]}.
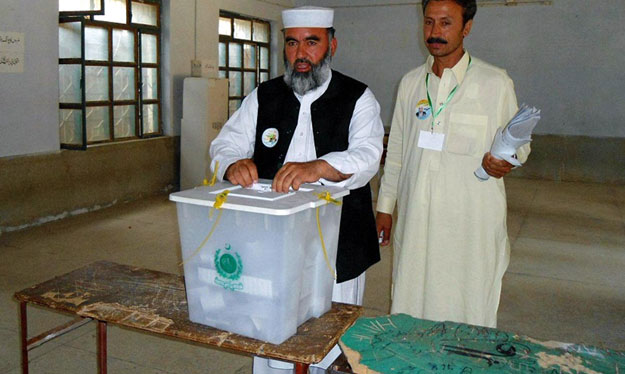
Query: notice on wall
{"type": "Point", "coordinates": [11, 52]}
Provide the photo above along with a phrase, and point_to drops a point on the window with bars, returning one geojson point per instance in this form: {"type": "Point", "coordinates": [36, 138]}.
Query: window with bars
{"type": "Point", "coordinates": [244, 50]}
{"type": "Point", "coordinates": [109, 71]}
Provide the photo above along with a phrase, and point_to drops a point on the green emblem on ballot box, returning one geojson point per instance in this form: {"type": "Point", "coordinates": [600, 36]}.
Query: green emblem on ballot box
{"type": "Point", "coordinates": [229, 268]}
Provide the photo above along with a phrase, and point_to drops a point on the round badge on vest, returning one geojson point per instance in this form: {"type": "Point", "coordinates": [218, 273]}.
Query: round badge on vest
{"type": "Point", "coordinates": [423, 109]}
{"type": "Point", "coordinates": [270, 137]}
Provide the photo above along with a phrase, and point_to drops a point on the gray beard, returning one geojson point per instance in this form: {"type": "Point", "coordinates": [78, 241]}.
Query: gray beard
{"type": "Point", "coordinates": [307, 81]}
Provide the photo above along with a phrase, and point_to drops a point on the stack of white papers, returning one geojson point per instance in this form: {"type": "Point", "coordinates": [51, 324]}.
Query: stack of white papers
{"type": "Point", "coordinates": [507, 140]}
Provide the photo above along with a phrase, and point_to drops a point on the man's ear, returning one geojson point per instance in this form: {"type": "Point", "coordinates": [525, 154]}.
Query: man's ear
{"type": "Point", "coordinates": [333, 46]}
{"type": "Point", "coordinates": [467, 28]}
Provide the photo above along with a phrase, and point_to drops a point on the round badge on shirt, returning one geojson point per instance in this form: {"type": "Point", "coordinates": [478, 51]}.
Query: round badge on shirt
{"type": "Point", "coordinates": [423, 109]}
{"type": "Point", "coordinates": [270, 137]}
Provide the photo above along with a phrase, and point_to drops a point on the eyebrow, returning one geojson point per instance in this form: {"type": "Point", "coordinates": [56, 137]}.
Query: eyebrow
{"type": "Point", "coordinates": [312, 37]}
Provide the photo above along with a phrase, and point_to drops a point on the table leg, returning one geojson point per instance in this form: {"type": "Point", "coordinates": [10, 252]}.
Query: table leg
{"type": "Point", "coordinates": [101, 347]}
{"type": "Point", "coordinates": [301, 368]}
{"type": "Point", "coordinates": [24, 336]}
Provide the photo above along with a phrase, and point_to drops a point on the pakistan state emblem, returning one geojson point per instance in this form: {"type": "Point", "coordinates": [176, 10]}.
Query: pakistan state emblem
{"type": "Point", "coordinates": [229, 268]}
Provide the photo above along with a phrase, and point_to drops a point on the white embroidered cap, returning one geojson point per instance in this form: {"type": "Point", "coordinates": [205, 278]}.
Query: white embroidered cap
{"type": "Point", "coordinates": [308, 16]}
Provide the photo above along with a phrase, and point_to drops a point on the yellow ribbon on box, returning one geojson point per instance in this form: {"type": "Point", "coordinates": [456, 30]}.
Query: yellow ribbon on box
{"type": "Point", "coordinates": [213, 179]}
{"type": "Point", "coordinates": [327, 197]}
{"type": "Point", "coordinates": [219, 201]}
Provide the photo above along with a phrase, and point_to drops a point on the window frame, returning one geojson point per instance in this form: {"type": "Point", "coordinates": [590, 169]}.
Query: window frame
{"type": "Point", "coordinates": [87, 19]}
{"type": "Point", "coordinates": [224, 71]}
{"type": "Point", "coordinates": [85, 12]}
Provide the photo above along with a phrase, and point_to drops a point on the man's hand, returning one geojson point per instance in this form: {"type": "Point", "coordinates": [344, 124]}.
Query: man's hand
{"type": "Point", "coordinates": [495, 167]}
{"type": "Point", "coordinates": [294, 174]}
{"type": "Point", "coordinates": [384, 223]}
{"type": "Point", "coordinates": [242, 172]}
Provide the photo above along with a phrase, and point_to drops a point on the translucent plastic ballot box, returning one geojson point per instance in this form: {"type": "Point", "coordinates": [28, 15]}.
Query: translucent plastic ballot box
{"type": "Point", "coordinates": [254, 263]}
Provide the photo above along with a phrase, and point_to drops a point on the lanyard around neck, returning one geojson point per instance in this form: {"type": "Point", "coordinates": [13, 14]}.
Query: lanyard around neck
{"type": "Point", "coordinates": [449, 97]}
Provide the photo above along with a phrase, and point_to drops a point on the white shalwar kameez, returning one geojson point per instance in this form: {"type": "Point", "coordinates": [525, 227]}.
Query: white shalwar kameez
{"type": "Point", "coordinates": [450, 240]}
{"type": "Point", "coordinates": [236, 141]}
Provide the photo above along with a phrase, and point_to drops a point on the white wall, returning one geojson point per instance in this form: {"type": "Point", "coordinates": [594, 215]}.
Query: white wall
{"type": "Point", "coordinates": [566, 58]}
{"type": "Point", "coordinates": [187, 38]}
{"type": "Point", "coordinates": [29, 118]}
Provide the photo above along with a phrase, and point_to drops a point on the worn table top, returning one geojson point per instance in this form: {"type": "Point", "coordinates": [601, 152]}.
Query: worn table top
{"type": "Point", "coordinates": [155, 301]}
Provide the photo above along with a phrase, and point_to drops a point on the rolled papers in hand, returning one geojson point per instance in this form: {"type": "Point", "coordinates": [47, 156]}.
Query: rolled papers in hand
{"type": "Point", "coordinates": [508, 139]}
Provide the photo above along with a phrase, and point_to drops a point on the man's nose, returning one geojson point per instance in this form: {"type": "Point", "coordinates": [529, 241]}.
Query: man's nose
{"type": "Point", "coordinates": [301, 51]}
{"type": "Point", "coordinates": [436, 29]}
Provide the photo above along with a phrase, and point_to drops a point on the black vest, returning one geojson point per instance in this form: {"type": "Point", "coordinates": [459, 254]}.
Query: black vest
{"type": "Point", "coordinates": [331, 115]}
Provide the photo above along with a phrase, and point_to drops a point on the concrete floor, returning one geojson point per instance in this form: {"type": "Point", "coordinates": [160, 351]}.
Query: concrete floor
{"type": "Point", "coordinates": [565, 281]}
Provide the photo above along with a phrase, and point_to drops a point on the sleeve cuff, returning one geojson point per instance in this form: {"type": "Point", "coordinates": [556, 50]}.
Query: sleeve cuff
{"type": "Point", "coordinates": [385, 205]}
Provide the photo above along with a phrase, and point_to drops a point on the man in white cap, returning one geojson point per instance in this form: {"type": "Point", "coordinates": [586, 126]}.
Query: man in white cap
{"type": "Point", "coordinates": [311, 125]}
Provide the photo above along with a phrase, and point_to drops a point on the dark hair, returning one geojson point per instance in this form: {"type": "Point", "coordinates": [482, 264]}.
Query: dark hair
{"type": "Point", "coordinates": [469, 7]}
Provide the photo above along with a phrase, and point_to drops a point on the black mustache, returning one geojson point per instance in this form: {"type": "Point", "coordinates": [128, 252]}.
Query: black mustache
{"type": "Point", "coordinates": [303, 60]}
{"type": "Point", "coordinates": [436, 40]}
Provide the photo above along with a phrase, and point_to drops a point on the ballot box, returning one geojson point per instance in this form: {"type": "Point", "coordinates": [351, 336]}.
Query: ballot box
{"type": "Point", "coordinates": [254, 263]}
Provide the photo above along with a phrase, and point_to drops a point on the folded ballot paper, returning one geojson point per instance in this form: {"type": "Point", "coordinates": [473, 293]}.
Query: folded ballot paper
{"type": "Point", "coordinates": [507, 140]}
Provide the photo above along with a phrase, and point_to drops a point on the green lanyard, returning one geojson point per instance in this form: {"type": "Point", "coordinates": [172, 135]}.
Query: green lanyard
{"type": "Point", "coordinates": [451, 95]}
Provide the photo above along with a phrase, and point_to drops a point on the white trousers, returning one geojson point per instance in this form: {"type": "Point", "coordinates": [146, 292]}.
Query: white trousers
{"type": "Point", "coordinates": [349, 292]}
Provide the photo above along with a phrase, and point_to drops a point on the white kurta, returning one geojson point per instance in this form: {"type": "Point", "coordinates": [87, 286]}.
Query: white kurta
{"type": "Point", "coordinates": [362, 157]}
{"type": "Point", "coordinates": [450, 239]}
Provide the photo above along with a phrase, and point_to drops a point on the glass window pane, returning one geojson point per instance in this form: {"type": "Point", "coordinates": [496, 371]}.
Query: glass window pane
{"type": "Point", "coordinates": [249, 83]}
{"type": "Point", "coordinates": [98, 123]}
{"type": "Point", "coordinates": [69, 83]}
{"type": "Point", "coordinates": [124, 121]}
{"type": "Point", "coordinates": [96, 44]}
{"type": "Point", "coordinates": [79, 5]}
{"type": "Point", "coordinates": [242, 29]}
{"type": "Point", "coordinates": [114, 11]}
{"type": "Point", "coordinates": [150, 118]}
{"type": "Point", "coordinates": [145, 14]}
{"type": "Point", "coordinates": [249, 56]}
{"type": "Point", "coordinates": [70, 126]}
{"type": "Point", "coordinates": [261, 32]}
{"type": "Point", "coordinates": [235, 83]}
{"type": "Point", "coordinates": [225, 26]}
{"type": "Point", "coordinates": [264, 77]}
{"type": "Point", "coordinates": [123, 83]}
{"type": "Point", "coordinates": [69, 40]}
{"type": "Point", "coordinates": [264, 58]}
{"type": "Point", "coordinates": [149, 49]}
{"type": "Point", "coordinates": [234, 51]}
{"type": "Point", "coordinates": [123, 46]}
{"type": "Point", "coordinates": [233, 105]}
{"type": "Point", "coordinates": [150, 83]}
{"type": "Point", "coordinates": [97, 83]}
{"type": "Point", "coordinates": [222, 74]}
{"type": "Point", "coordinates": [222, 54]}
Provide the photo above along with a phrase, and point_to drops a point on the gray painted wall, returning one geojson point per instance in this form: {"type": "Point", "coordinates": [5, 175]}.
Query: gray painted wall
{"type": "Point", "coordinates": [29, 112]}
{"type": "Point", "coordinates": [565, 58]}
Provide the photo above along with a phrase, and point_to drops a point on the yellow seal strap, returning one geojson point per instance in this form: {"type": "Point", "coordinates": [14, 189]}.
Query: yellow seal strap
{"type": "Point", "coordinates": [327, 197]}
{"type": "Point", "coordinates": [219, 201]}
{"type": "Point", "coordinates": [213, 179]}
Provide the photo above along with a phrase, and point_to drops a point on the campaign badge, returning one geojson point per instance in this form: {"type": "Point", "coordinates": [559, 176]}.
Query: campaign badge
{"type": "Point", "coordinates": [270, 137]}
{"type": "Point", "coordinates": [423, 109]}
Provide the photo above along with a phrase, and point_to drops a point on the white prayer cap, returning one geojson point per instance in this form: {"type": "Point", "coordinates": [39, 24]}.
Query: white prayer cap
{"type": "Point", "coordinates": [308, 16]}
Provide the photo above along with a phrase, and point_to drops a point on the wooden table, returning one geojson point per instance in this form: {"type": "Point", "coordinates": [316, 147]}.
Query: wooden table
{"type": "Point", "coordinates": [156, 302]}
